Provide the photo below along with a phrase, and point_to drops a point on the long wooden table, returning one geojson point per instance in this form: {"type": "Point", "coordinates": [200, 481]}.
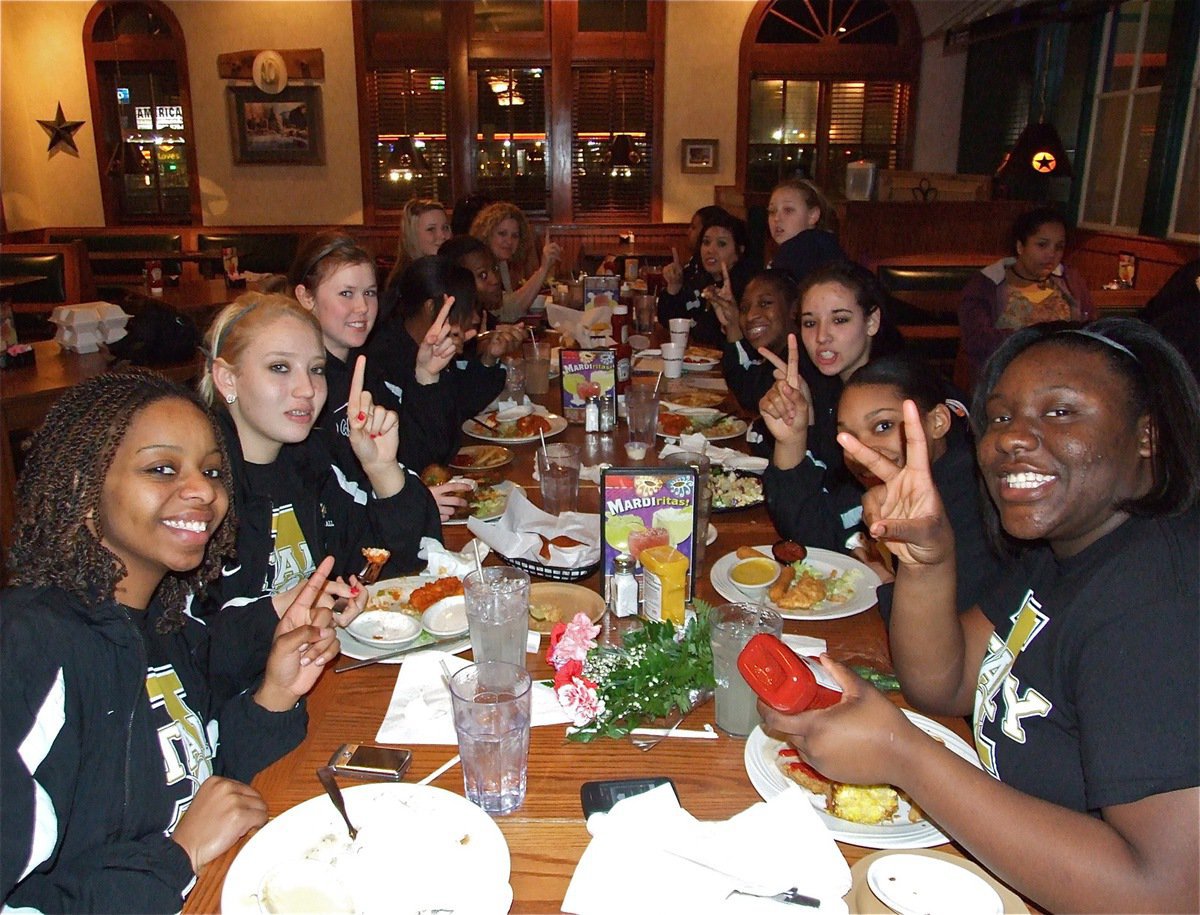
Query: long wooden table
{"type": "Point", "coordinates": [547, 835]}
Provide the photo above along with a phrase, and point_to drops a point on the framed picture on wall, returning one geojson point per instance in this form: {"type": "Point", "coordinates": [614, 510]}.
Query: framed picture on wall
{"type": "Point", "coordinates": [698, 156]}
{"type": "Point", "coordinates": [280, 129]}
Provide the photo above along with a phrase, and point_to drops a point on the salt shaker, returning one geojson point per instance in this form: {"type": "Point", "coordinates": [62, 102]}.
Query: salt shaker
{"type": "Point", "coordinates": [608, 411]}
{"type": "Point", "coordinates": [623, 596]}
{"type": "Point", "coordinates": [591, 415]}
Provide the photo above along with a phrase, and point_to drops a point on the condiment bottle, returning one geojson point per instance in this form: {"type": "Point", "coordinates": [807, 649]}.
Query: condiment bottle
{"type": "Point", "coordinates": [591, 415]}
{"type": "Point", "coordinates": [623, 595]}
{"type": "Point", "coordinates": [664, 583]}
{"type": "Point", "coordinates": [783, 679]}
{"type": "Point", "coordinates": [620, 323]}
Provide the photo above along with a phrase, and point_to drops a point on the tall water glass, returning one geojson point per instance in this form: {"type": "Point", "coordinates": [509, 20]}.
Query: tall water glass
{"type": "Point", "coordinates": [497, 600]}
{"type": "Point", "coordinates": [732, 627]}
{"type": "Point", "coordinates": [491, 719]}
{"type": "Point", "coordinates": [645, 311]}
{"type": "Point", "coordinates": [641, 410]}
{"type": "Point", "coordinates": [537, 368]}
{"type": "Point", "coordinates": [703, 494]}
{"type": "Point", "coordinates": [558, 474]}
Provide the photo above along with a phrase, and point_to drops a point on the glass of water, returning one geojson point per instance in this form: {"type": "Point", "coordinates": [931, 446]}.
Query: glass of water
{"type": "Point", "coordinates": [732, 627]}
{"type": "Point", "coordinates": [491, 720]}
{"type": "Point", "coordinates": [497, 599]}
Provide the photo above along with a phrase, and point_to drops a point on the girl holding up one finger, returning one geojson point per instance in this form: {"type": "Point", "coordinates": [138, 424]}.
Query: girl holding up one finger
{"type": "Point", "coordinates": [266, 375]}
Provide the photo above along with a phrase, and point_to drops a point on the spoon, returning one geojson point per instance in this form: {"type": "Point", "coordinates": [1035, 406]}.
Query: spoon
{"type": "Point", "coordinates": [325, 774]}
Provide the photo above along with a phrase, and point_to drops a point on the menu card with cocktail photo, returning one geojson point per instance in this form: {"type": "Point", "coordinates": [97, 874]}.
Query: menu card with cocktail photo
{"type": "Point", "coordinates": [585, 373]}
{"type": "Point", "coordinates": [650, 515]}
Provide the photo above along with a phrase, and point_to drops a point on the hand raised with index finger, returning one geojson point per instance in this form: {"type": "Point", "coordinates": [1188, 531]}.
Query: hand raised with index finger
{"type": "Point", "coordinates": [374, 430]}
{"type": "Point", "coordinates": [437, 347]}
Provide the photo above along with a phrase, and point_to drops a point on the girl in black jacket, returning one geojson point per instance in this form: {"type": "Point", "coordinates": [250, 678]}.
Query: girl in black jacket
{"type": "Point", "coordinates": [266, 371]}
{"type": "Point", "coordinates": [113, 792]}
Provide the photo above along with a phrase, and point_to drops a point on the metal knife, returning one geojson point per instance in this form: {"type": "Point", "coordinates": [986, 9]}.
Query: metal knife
{"type": "Point", "coordinates": [397, 653]}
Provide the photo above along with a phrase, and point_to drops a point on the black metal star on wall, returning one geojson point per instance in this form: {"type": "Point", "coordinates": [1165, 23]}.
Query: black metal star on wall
{"type": "Point", "coordinates": [62, 131]}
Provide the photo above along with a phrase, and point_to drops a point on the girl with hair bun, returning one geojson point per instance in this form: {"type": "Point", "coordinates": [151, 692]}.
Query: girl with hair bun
{"type": "Point", "coordinates": [266, 377]}
{"type": "Point", "coordinates": [114, 791]}
{"type": "Point", "coordinates": [1080, 665]}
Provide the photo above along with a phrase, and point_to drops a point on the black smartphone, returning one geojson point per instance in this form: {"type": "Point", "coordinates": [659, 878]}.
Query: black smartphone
{"type": "Point", "coordinates": [599, 797]}
{"type": "Point", "coordinates": [366, 760]}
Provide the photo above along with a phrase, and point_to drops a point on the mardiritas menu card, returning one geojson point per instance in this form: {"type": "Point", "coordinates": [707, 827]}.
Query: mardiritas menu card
{"type": "Point", "coordinates": [642, 509]}
{"type": "Point", "coordinates": [585, 373]}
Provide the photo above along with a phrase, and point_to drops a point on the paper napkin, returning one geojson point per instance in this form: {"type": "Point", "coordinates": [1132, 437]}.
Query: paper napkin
{"type": "Point", "coordinates": [420, 709]}
{"type": "Point", "coordinates": [726, 457]}
{"type": "Point", "coordinates": [688, 865]}
{"type": "Point", "coordinates": [519, 531]}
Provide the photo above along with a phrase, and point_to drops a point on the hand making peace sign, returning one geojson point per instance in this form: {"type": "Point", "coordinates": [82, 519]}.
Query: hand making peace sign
{"type": "Point", "coordinates": [787, 408]}
{"type": "Point", "coordinates": [673, 274]}
{"type": "Point", "coordinates": [438, 346]}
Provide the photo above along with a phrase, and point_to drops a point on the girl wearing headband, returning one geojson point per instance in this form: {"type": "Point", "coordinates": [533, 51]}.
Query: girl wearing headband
{"type": "Point", "coordinates": [1080, 666]}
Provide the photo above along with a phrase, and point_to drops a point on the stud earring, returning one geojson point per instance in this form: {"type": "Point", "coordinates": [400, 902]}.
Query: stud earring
{"type": "Point", "coordinates": [230, 398]}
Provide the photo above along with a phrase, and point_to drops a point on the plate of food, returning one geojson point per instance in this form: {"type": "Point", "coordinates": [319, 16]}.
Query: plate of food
{"type": "Point", "coordinates": [552, 602]}
{"type": "Point", "coordinates": [529, 428]}
{"type": "Point", "coordinates": [481, 462]}
{"type": "Point", "coordinates": [485, 502]}
{"type": "Point", "coordinates": [871, 816]}
{"type": "Point", "coordinates": [411, 595]}
{"type": "Point", "coordinates": [693, 397]}
{"type": "Point", "coordinates": [712, 424]}
{"type": "Point", "coordinates": [824, 585]}
{"type": "Point", "coordinates": [304, 861]}
{"type": "Point", "coordinates": [734, 490]}
{"type": "Point", "coordinates": [694, 363]}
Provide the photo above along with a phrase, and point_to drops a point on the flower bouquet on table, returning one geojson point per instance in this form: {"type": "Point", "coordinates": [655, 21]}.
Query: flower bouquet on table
{"type": "Point", "coordinates": [609, 691]}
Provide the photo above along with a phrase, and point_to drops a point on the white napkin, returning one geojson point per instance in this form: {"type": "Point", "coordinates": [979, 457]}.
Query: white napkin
{"type": "Point", "coordinates": [577, 325]}
{"type": "Point", "coordinates": [515, 533]}
{"type": "Point", "coordinates": [804, 644]}
{"type": "Point", "coordinates": [766, 848]}
{"type": "Point", "coordinates": [726, 457]}
{"type": "Point", "coordinates": [442, 563]}
{"type": "Point", "coordinates": [420, 709]}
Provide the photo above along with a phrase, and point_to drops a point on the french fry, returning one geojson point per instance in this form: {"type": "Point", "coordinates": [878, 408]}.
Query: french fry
{"type": "Point", "coordinates": [782, 583]}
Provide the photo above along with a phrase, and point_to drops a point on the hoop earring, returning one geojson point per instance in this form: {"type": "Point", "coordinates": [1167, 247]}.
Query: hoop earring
{"type": "Point", "coordinates": [230, 398]}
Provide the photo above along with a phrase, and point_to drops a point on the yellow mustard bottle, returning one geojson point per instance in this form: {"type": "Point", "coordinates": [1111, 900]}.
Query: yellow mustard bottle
{"type": "Point", "coordinates": [664, 584]}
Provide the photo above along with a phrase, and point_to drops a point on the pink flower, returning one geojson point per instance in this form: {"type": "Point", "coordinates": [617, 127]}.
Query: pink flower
{"type": "Point", "coordinates": [577, 639]}
{"type": "Point", "coordinates": [579, 699]}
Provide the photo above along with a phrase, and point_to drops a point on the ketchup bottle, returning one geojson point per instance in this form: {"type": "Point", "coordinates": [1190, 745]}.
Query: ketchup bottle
{"type": "Point", "coordinates": [784, 680]}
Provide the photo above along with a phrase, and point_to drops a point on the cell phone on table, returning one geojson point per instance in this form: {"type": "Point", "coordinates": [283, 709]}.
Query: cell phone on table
{"type": "Point", "coordinates": [601, 797]}
{"type": "Point", "coordinates": [367, 760]}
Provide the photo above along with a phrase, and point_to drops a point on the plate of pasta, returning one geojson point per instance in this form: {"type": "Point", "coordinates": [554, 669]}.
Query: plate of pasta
{"type": "Point", "coordinates": [823, 586]}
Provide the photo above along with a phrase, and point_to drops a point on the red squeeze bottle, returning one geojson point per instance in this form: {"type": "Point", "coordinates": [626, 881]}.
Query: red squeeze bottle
{"type": "Point", "coordinates": [784, 680]}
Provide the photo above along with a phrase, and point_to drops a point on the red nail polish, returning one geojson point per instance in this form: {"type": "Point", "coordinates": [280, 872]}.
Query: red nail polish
{"type": "Point", "coordinates": [361, 417]}
{"type": "Point", "coordinates": [354, 591]}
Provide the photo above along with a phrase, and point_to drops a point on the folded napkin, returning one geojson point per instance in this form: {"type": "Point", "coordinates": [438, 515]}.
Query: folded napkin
{"type": "Point", "coordinates": [519, 531]}
{"type": "Point", "coordinates": [582, 326]}
{"type": "Point", "coordinates": [420, 709]}
{"type": "Point", "coordinates": [685, 865]}
{"type": "Point", "coordinates": [442, 563]}
{"type": "Point", "coordinates": [726, 457]}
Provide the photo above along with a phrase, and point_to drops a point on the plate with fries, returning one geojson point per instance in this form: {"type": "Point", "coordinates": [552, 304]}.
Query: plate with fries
{"type": "Point", "coordinates": [829, 585]}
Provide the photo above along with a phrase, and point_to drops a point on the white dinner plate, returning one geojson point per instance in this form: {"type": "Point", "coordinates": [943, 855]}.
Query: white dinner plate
{"type": "Point", "coordinates": [385, 628]}
{"type": "Point", "coordinates": [504, 486]}
{"type": "Point", "coordinates": [768, 780]}
{"type": "Point", "coordinates": [699, 365]}
{"type": "Point", "coordinates": [476, 429]}
{"type": "Point", "coordinates": [917, 885]}
{"type": "Point", "coordinates": [736, 429]}
{"type": "Point", "coordinates": [384, 595]}
{"type": "Point", "coordinates": [826, 561]}
{"type": "Point", "coordinates": [415, 846]}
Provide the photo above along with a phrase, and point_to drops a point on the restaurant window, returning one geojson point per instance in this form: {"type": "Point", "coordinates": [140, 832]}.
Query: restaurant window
{"type": "Point", "coordinates": [510, 146]}
{"type": "Point", "coordinates": [804, 119]}
{"type": "Point", "coordinates": [141, 114]}
{"type": "Point", "coordinates": [1185, 218]}
{"type": "Point", "coordinates": [410, 154]}
{"type": "Point", "coordinates": [606, 104]}
{"type": "Point", "coordinates": [1125, 114]}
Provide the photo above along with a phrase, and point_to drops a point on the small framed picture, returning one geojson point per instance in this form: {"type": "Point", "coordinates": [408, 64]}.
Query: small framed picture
{"type": "Point", "coordinates": [698, 157]}
{"type": "Point", "coordinates": [280, 129]}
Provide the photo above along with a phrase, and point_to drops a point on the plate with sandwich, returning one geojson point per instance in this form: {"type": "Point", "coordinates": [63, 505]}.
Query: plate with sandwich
{"type": "Point", "coordinates": [485, 501]}
{"type": "Point", "coordinates": [871, 816]}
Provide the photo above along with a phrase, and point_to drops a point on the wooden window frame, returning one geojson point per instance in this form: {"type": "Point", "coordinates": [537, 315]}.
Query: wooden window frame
{"type": "Point", "coordinates": [558, 48]}
{"type": "Point", "coordinates": [825, 64]}
{"type": "Point", "coordinates": [141, 49]}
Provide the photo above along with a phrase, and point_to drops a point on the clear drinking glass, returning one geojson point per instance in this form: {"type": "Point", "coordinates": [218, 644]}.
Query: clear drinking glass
{"type": "Point", "coordinates": [498, 613]}
{"type": "Point", "coordinates": [491, 703]}
{"type": "Point", "coordinates": [733, 625]}
{"type": "Point", "coordinates": [558, 473]}
{"type": "Point", "coordinates": [537, 368]}
{"type": "Point", "coordinates": [641, 410]}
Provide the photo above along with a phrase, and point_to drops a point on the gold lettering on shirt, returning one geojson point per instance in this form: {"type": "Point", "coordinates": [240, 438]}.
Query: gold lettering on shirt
{"type": "Point", "coordinates": [183, 742]}
{"type": "Point", "coordinates": [291, 558]}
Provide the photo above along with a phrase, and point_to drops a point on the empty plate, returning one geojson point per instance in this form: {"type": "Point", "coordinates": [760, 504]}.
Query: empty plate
{"type": "Point", "coordinates": [446, 618]}
{"type": "Point", "coordinates": [920, 885]}
{"type": "Point", "coordinates": [385, 628]}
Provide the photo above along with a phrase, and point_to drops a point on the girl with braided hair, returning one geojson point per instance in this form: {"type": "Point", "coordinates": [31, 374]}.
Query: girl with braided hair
{"type": "Point", "coordinates": [113, 794]}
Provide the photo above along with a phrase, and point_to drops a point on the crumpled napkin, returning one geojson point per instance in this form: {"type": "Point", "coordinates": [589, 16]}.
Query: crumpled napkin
{"type": "Point", "coordinates": [577, 325]}
{"type": "Point", "coordinates": [686, 865]}
{"type": "Point", "coordinates": [443, 563]}
{"type": "Point", "coordinates": [420, 709]}
{"type": "Point", "coordinates": [726, 457]}
{"type": "Point", "coordinates": [515, 534]}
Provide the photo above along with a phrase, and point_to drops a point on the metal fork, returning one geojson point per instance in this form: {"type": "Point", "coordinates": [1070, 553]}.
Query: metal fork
{"type": "Point", "coordinates": [649, 743]}
{"type": "Point", "coordinates": [792, 896]}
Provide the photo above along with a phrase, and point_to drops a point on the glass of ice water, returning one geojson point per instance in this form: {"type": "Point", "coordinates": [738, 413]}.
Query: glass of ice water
{"type": "Point", "coordinates": [491, 719]}
{"type": "Point", "coordinates": [497, 599]}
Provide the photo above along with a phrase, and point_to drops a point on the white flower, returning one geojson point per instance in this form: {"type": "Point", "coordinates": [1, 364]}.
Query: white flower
{"type": "Point", "coordinates": [581, 701]}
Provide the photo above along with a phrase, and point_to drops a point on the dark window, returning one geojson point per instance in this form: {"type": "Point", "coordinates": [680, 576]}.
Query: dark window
{"type": "Point", "coordinates": [409, 107]}
{"type": "Point", "coordinates": [510, 148]}
{"type": "Point", "coordinates": [607, 103]}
